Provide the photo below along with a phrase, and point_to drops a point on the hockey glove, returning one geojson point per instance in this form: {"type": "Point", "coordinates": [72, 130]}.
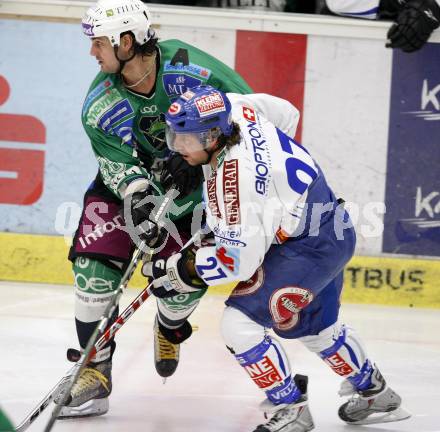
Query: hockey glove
{"type": "Point", "coordinates": [141, 214]}
{"type": "Point", "coordinates": [174, 275]}
{"type": "Point", "coordinates": [414, 25]}
{"type": "Point", "coordinates": [182, 175]}
{"type": "Point", "coordinates": [389, 9]}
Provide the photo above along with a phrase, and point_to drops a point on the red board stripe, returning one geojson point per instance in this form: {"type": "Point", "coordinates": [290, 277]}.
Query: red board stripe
{"type": "Point", "coordinates": [274, 63]}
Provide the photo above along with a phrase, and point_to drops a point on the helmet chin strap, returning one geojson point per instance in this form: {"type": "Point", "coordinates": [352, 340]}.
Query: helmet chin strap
{"type": "Point", "coordinates": [122, 62]}
{"type": "Point", "coordinates": [210, 153]}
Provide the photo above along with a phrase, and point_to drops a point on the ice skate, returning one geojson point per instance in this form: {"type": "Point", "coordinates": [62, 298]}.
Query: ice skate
{"type": "Point", "coordinates": [90, 393]}
{"type": "Point", "coordinates": [294, 417]}
{"type": "Point", "coordinates": [378, 404]}
{"type": "Point", "coordinates": [166, 354]}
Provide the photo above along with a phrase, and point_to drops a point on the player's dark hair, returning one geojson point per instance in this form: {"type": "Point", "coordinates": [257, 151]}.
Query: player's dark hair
{"type": "Point", "coordinates": [231, 140]}
{"type": "Point", "coordinates": [147, 49]}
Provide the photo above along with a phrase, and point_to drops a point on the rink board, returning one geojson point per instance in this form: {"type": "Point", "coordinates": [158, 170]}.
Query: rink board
{"type": "Point", "coordinates": [373, 280]}
{"type": "Point", "coordinates": [355, 98]}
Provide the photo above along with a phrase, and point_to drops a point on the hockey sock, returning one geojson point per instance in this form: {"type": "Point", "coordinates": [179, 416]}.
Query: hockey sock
{"type": "Point", "coordinates": [347, 358]}
{"type": "Point", "coordinates": [345, 354]}
{"type": "Point", "coordinates": [95, 283]}
{"type": "Point", "coordinates": [174, 311]}
{"type": "Point", "coordinates": [269, 368]}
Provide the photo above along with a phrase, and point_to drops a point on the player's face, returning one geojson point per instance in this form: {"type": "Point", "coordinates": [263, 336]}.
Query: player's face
{"type": "Point", "coordinates": [189, 146]}
{"type": "Point", "coordinates": [103, 51]}
{"type": "Point", "coordinates": [198, 157]}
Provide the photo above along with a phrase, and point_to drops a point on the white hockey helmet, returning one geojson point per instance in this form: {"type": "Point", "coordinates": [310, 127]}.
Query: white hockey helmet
{"type": "Point", "coordinates": [112, 17]}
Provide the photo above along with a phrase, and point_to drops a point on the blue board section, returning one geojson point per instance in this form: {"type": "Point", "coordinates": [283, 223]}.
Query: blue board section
{"type": "Point", "coordinates": [412, 198]}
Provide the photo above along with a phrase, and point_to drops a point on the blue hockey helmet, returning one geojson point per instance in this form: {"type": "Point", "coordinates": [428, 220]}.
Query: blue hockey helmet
{"type": "Point", "coordinates": [200, 115]}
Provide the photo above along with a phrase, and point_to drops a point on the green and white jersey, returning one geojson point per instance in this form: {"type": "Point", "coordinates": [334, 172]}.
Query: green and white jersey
{"type": "Point", "coordinates": [112, 113]}
{"type": "Point", "coordinates": [5, 424]}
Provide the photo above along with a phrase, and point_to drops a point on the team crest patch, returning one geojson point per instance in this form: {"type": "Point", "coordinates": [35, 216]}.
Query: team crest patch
{"type": "Point", "coordinates": [153, 130]}
{"type": "Point", "coordinates": [210, 104]}
{"type": "Point", "coordinates": [285, 305]}
{"type": "Point", "coordinates": [250, 286]}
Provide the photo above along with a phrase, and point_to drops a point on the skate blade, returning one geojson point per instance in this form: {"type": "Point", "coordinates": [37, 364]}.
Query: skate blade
{"type": "Point", "coordinates": [392, 416]}
{"type": "Point", "coordinates": [91, 408]}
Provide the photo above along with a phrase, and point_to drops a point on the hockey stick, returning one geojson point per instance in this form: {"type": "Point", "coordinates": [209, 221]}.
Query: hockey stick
{"type": "Point", "coordinates": [106, 316]}
{"type": "Point", "coordinates": [90, 349]}
{"type": "Point", "coordinates": [74, 355]}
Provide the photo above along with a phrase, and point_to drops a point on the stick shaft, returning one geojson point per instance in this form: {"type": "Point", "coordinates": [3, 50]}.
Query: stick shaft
{"type": "Point", "coordinates": [86, 355]}
{"type": "Point", "coordinates": [109, 333]}
{"type": "Point", "coordinates": [93, 347]}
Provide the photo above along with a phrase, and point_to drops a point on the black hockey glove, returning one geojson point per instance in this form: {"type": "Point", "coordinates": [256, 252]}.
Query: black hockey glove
{"type": "Point", "coordinates": [389, 9]}
{"type": "Point", "coordinates": [414, 25]}
{"type": "Point", "coordinates": [173, 276]}
{"type": "Point", "coordinates": [142, 217]}
{"type": "Point", "coordinates": [185, 177]}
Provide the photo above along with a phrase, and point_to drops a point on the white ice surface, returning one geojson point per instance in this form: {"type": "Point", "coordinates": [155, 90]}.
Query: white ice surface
{"type": "Point", "coordinates": [209, 392]}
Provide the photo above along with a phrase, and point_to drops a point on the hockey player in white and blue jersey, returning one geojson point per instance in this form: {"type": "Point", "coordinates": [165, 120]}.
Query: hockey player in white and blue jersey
{"type": "Point", "coordinates": [280, 231]}
{"type": "Point", "coordinates": [414, 20]}
{"type": "Point", "coordinates": [368, 9]}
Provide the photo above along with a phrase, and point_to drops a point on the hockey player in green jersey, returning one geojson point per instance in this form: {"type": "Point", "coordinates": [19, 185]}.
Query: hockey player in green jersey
{"type": "Point", "coordinates": [123, 115]}
{"type": "Point", "coordinates": [5, 424]}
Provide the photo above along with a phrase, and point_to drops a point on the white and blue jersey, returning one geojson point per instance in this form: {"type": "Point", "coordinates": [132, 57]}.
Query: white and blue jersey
{"type": "Point", "coordinates": [277, 226]}
{"type": "Point", "coordinates": [368, 9]}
